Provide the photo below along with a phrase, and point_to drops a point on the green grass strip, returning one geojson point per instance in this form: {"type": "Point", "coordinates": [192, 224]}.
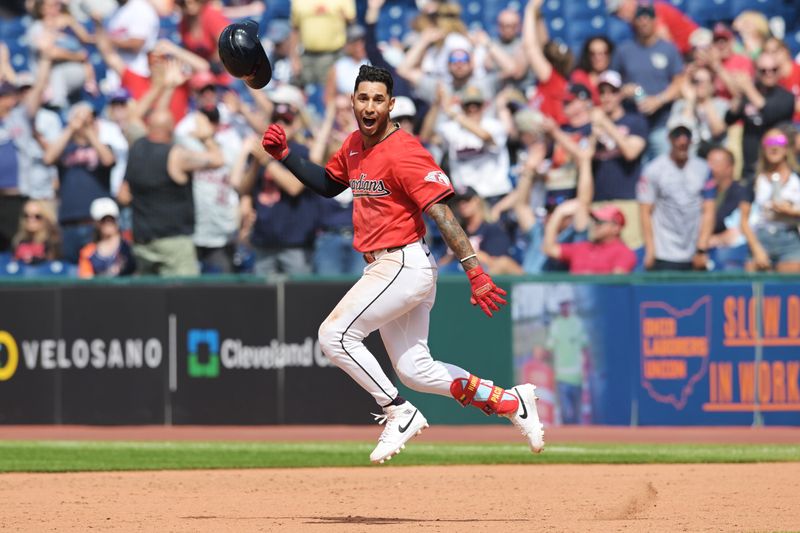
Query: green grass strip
{"type": "Point", "coordinates": [71, 456]}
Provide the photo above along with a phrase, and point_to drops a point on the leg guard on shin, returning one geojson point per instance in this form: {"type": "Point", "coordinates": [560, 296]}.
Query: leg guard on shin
{"type": "Point", "coordinates": [487, 397]}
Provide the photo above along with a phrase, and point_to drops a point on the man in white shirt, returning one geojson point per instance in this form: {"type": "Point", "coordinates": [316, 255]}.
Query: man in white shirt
{"type": "Point", "coordinates": [476, 144]}
{"type": "Point", "coordinates": [133, 30]}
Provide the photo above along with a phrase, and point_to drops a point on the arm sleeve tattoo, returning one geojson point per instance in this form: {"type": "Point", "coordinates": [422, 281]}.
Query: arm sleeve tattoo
{"type": "Point", "coordinates": [453, 234]}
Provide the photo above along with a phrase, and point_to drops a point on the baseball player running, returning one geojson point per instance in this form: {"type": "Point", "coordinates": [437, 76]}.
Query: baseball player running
{"type": "Point", "coordinates": [394, 181]}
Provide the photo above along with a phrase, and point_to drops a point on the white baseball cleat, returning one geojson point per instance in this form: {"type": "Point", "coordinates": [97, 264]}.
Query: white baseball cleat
{"type": "Point", "coordinates": [402, 423]}
{"type": "Point", "coordinates": [527, 418]}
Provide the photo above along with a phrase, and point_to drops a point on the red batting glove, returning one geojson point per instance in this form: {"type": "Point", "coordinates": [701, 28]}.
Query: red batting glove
{"type": "Point", "coordinates": [484, 292]}
{"type": "Point", "coordinates": [274, 142]}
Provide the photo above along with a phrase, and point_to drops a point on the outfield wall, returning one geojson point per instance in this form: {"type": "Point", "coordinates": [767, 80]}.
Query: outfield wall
{"type": "Point", "coordinates": [686, 350]}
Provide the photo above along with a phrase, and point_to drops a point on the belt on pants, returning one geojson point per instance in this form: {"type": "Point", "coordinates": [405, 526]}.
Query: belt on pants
{"type": "Point", "coordinates": [371, 257]}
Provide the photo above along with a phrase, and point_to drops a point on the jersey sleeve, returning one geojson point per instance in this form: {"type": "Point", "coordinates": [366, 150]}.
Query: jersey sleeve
{"type": "Point", "coordinates": [336, 169]}
{"type": "Point", "coordinates": [421, 178]}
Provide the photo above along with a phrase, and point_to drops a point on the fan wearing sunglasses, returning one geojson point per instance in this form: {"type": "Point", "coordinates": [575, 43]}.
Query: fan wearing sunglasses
{"type": "Point", "coordinates": [38, 238]}
{"type": "Point", "coordinates": [761, 106]}
{"type": "Point", "coordinates": [788, 70]}
{"type": "Point", "coordinates": [771, 214]}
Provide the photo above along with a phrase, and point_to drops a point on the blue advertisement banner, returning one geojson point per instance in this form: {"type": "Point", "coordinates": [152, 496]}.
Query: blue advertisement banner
{"type": "Point", "coordinates": [660, 353]}
{"type": "Point", "coordinates": [698, 347]}
{"type": "Point", "coordinates": [778, 377]}
{"type": "Point", "coordinates": [561, 344]}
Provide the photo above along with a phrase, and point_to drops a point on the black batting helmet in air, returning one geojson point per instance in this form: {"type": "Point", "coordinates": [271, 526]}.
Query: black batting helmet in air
{"type": "Point", "coordinates": [242, 54]}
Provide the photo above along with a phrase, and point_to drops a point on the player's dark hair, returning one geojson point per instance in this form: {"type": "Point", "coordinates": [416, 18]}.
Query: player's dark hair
{"type": "Point", "coordinates": [377, 75]}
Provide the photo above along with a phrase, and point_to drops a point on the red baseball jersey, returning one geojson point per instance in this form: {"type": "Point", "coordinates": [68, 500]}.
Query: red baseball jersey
{"type": "Point", "coordinates": [393, 183]}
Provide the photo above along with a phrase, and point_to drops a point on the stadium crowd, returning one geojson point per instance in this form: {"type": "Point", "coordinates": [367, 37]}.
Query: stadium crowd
{"type": "Point", "coordinates": [126, 149]}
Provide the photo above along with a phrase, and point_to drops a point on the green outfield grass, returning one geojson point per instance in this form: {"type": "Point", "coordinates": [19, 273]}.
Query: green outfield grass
{"type": "Point", "coordinates": [70, 456]}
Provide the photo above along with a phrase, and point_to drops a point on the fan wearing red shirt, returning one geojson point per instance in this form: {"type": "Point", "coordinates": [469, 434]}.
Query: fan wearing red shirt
{"type": "Point", "coordinates": [671, 23]}
{"type": "Point", "coordinates": [603, 253]}
{"type": "Point", "coordinates": [182, 64]}
{"type": "Point", "coordinates": [201, 23]}
{"type": "Point", "coordinates": [550, 64]}
{"type": "Point", "coordinates": [394, 181]}
{"type": "Point", "coordinates": [789, 71]}
{"type": "Point", "coordinates": [724, 61]}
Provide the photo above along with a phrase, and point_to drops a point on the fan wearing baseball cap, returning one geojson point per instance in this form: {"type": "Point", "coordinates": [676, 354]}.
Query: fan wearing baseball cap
{"type": "Point", "coordinates": [652, 73]}
{"type": "Point", "coordinates": [404, 113]}
{"type": "Point", "coordinates": [671, 22]}
{"type": "Point", "coordinates": [788, 70]}
{"type": "Point", "coordinates": [576, 132]}
{"type": "Point", "coordinates": [723, 59]}
{"type": "Point", "coordinates": [475, 143]}
{"type": "Point", "coordinates": [604, 252]}
{"type": "Point", "coordinates": [764, 105]}
{"type": "Point", "coordinates": [109, 254]}
{"type": "Point", "coordinates": [621, 139]}
{"type": "Point", "coordinates": [676, 194]}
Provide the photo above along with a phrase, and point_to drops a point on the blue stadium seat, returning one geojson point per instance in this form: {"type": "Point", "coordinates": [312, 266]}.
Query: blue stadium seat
{"type": "Point", "coordinates": [553, 8]}
{"type": "Point", "coordinates": [168, 28]}
{"type": "Point", "coordinates": [585, 9]}
{"type": "Point", "coordinates": [395, 21]}
{"type": "Point", "coordinates": [578, 31]}
{"type": "Point", "coordinates": [12, 29]}
{"type": "Point", "coordinates": [52, 269]}
{"type": "Point", "coordinates": [315, 95]}
{"type": "Point", "coordinates": [20, 55]}
{"type": "Point", "coordinates": [791, 14]}
{"type": "Point", "coordinates": [473, 14]}
{"type": "Point", "coordinates": [770, 8]}
{"type": "Point", "coordinates": [618, 30]}
{"type": "Point", "coordinates": [706, 12]}
{"type": "Point", "coordinates": [11, 269]}
{"type": "Point", "coordinates": [793, 40]}
{"type": "Point", "coordinates": [557, 28]}
{"type": "Point", "coordinates": [681, 4]}
{"type": "Point", "coordinates": [278, 9]}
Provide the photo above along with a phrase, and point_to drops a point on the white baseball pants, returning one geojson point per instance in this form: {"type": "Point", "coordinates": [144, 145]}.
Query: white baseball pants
{"type": "Point", "coordinates": [395, 295]}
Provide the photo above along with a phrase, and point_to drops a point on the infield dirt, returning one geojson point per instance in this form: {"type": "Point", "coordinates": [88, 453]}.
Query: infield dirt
{"type": "Point", "coordinates": [668, 498]}
{"type": "Point", "coordinates": [522, 498]}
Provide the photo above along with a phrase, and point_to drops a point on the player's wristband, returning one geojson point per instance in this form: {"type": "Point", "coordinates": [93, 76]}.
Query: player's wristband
{"type": "Point", "coordinates": [468, 257]}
